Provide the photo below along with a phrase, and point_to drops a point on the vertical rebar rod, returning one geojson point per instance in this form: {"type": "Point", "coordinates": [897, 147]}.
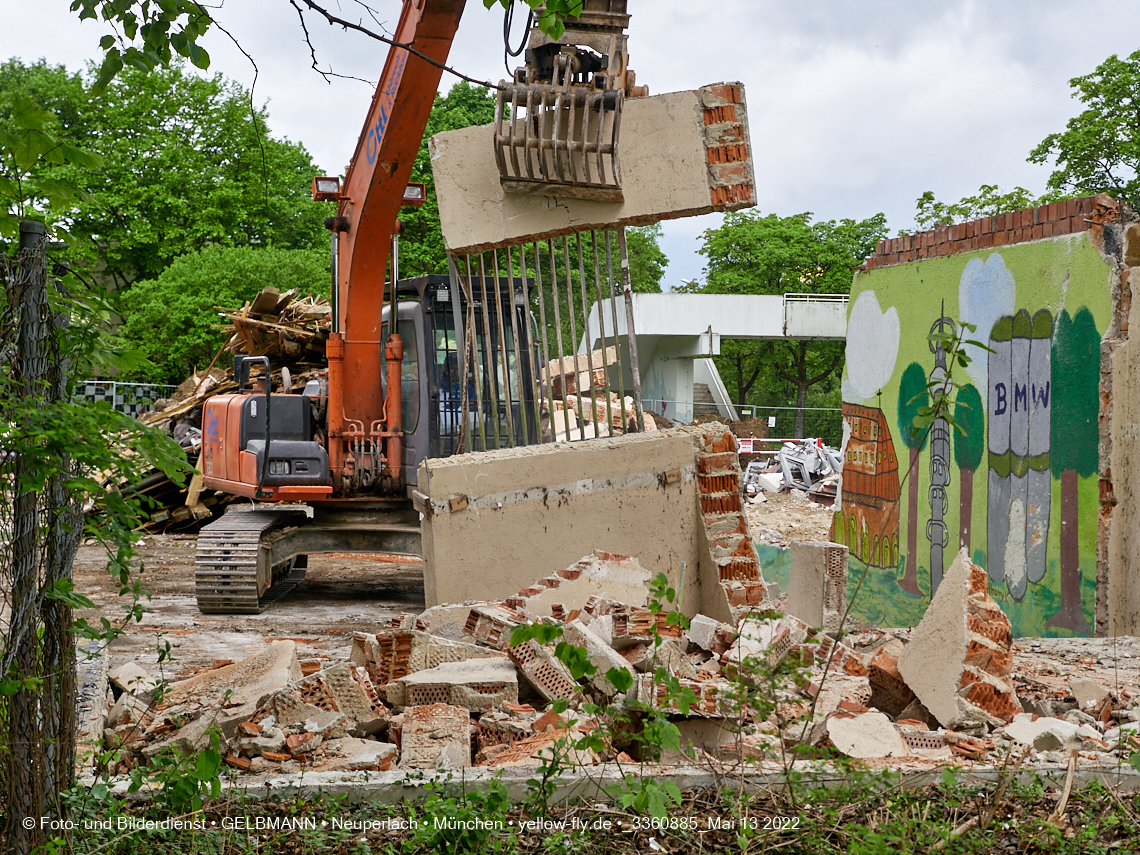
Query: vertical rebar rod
{"type": "Point", "coordinates": [488, 355]}
{"type": "Point", "coordinates": [602, 333]}
{"type": "Point", "coordinates": [613, 311]}
{"type": "Point", "coordinates": [523, 434]}
{"type": "Point", "coordinates": [544, 383]}
{"type": "Point", "coordinates": [536, 386]}
{"type": "Point", "coordinates": [503, 352]}
{"type": "Point", "coordinates": [558, 341]}
{"type": "Point", "coordinates": [476, 372]}
{"type": "Point", "coordinates": [461, 437]}
{"type": "Point", "coordinates": [631, 333]}
{"type": "Point", "coordinates": [586, 336]}
{"type": "Point", "coordinates": [573, 334]}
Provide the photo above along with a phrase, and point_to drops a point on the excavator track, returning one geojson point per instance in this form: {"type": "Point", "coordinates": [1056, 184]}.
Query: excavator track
{"type": "Point", "coordinates": [226, 578]}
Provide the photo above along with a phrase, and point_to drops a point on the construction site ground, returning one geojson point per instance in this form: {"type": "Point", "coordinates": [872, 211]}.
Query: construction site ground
{"type": "Point", "coordinates": [340, 594]}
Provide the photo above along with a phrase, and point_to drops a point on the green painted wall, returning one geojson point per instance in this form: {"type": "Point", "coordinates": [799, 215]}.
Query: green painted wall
{"type": "Point", "coordinates": [1033, 475]}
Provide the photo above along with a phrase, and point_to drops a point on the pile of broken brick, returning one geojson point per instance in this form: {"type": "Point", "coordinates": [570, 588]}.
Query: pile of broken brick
{"type": "Point", "coordinates": [448, 689]}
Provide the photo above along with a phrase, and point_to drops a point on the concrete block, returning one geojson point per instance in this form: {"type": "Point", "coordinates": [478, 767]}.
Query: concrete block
{"type": "Point", "coordinates": [889, 691]}
{"type": "Point", "coordinates": [1088, 694]}
{"type": "Point", "coordinates": [350, 693]}
{"type": "Point", "coordinates": [601, 655]}
{"type": "Point", "coordinates": [130, 677]}
{"type": "Point", "coordinates": [544, 672]}
{"type": "Point", "coordinates": [1044, 734]}
{"type": "Point", "coordinates": [866, 736]}
{"type": "Point", "coordinates": [959, 659]}
{"type": "Point", "coordinates": [435, 736]}
{"type": "Point", "coordinates": [128, 709]}
{"type": "Point", "coordinates": [670, 163]}
{"type": "Point", "coordinates": [248, 680]}
{"type": "Point", "coordinates": [817, 585]}
{"type": "Point", "coordinates": [476, 685]}
{"type": "Point", "coordinates": [350, 755]}
{"type": "Point", "coordinates": [703, 629]}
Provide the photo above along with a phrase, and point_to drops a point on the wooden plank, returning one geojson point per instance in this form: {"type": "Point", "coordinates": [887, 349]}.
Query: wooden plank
{"type": "Point", "coordinates": [266, 301]}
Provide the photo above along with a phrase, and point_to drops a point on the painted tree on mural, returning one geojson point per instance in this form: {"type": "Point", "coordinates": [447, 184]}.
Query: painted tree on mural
{"type": "Point", "coordinates": [1076, 375]}
{"type": "Point", "coordinates": [969, 445]}
{"type": "Point", "coordinates": [912, 395]}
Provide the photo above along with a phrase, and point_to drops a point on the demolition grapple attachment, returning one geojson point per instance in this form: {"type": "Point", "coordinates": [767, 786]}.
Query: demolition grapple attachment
{"type": "Point", "coordinates": [558, 123]}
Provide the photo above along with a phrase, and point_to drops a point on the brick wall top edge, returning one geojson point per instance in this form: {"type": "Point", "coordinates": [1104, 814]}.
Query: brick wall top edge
{"type": "Point", "coordinates": [1076, 215]}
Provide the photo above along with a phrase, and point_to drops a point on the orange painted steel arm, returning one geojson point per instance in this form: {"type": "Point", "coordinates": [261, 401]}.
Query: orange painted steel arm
{"type": "Point", "coordinates": [373, 193]}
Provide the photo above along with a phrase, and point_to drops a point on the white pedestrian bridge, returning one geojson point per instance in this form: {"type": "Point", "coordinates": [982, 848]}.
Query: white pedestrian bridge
{"type": "Point", "coordinates": [677, 333]}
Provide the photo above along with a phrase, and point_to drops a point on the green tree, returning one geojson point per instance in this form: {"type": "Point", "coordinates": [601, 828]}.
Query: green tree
{"type": "Point", "coordinates": [989, 202]}
{"type": "Point", "coordinates": [1099, 150]}
{"type": "Point", "coordinates": [1073, 427]}
{"type": "Point", "coordinates": [912, 397]}
{"type": "Point", "coordinates": [185, 165]}
{"type": "Point", "coordinates": [969, 446]}
{"type": "Point", "coordinates": [647, 261]}
{"type": "Point", "coordinates": [755, 254]}
{"type": "Point", "coordinates": [172, 318]}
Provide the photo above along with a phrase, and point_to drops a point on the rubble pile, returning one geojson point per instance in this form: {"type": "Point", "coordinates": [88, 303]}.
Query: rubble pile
{"type": "Point", "coordinates": [582, 405]}
{"type": "Point", "coordinates": [279, 325]}
{"type": "Point", "coordinates": [453, 687]}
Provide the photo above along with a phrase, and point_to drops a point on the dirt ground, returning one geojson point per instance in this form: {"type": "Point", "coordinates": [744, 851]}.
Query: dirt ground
{"type": "Point", "coordinates": [340, 595]}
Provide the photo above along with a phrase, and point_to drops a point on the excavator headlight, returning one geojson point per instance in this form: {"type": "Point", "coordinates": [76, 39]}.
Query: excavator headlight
{"type": "Point", "coordinates": [278, 467]}
{"type": "Point", "coordinates": [326, 188]}
{"type": "Point", "coordinates": [414, 194]}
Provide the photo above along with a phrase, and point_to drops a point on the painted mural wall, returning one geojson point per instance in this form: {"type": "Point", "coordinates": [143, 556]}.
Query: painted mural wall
{"type": "Point", "coordinates": [1017, 484]}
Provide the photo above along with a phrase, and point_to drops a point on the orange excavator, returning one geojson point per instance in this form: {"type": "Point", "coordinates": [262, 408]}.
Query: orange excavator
{"type": "Point", "coordinates": [328, 467]}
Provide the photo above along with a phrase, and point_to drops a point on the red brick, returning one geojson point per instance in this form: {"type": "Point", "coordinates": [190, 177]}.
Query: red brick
{"type": "Point", "coordinates": [239, 763]}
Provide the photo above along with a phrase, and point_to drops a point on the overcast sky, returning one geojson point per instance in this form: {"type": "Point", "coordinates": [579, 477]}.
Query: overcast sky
{"type": "Point", "coordinates": [854, 107]}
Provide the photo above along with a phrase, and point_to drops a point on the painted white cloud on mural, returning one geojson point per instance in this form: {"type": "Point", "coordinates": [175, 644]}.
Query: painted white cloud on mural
{"type": "Point", "coordinates": [986, 291]}
{"type": "Point", "coordinates": [872, 347]}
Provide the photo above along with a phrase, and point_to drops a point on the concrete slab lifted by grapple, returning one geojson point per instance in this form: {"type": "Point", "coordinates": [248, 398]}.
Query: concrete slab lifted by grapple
{"type": "Point", "coordinates": [683, 154]}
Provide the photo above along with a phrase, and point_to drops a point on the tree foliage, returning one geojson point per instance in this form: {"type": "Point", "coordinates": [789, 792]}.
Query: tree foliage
{"type": "Point", "coordinates": [1099, 150]}
{"type": "Point", "coordinates": [647, 261]}
{"type": "Point", "coordinates": [184, 165]}
{"type": "Point", "coordinates": [989, 202]}
{"type": "Point", "coordinates": [172, 318]}
{"type": "Point", "coordinates": [751, 253]}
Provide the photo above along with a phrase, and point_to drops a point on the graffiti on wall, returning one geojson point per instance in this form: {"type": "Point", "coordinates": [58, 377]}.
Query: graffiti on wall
{"type": "Point", "coordinates": [1022, 423]}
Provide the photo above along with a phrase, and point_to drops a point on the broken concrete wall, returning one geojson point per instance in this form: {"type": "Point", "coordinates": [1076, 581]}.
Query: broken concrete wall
{"type": "Point", "coordinates": [1118, 565]}
{"type": "Point", "coordinates": [501, 519]}
{"type": "Point", "coordinates": [1019, 489]}
{"type": "Point", "coordinates": [682, 154]}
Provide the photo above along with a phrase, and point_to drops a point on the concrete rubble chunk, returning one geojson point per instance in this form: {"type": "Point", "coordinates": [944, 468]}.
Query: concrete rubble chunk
{"type": "Point", "coordinates": [435, 736]}
{"type": "Point", "coordinates": [133, 679]}
{"type": "Point", "coordinates": [889, 691]}
{"type": "Point", "coordinates": [475, 684]}
{"type": "Point", "coordinates": [350, 754]}
{"type": "Point", "coordinates": [959, 659]}
{"type": "Point", "coordinates": [251, 679]}
{"type": "Point", "coordinates": [1044, 734]}
{"type": "Point", "coordinates": [1088, 694]}
{"type": "Point", "coordinates": [866, 736]}
{"type": "Point", "coordinates": [601, 655]}
{"type": "Point", "coordinates": [670, 655]}
{"type": "Point", "coordinates": [619, 578]}
{"type": "Point", "coordinates": [817, 585]}
{"type": "Point", "coordinates": [703, 631]}
{"type": "Point", "coordinates": [545, 672]}
{"type": "Point", "coordinates": [128, 709]}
